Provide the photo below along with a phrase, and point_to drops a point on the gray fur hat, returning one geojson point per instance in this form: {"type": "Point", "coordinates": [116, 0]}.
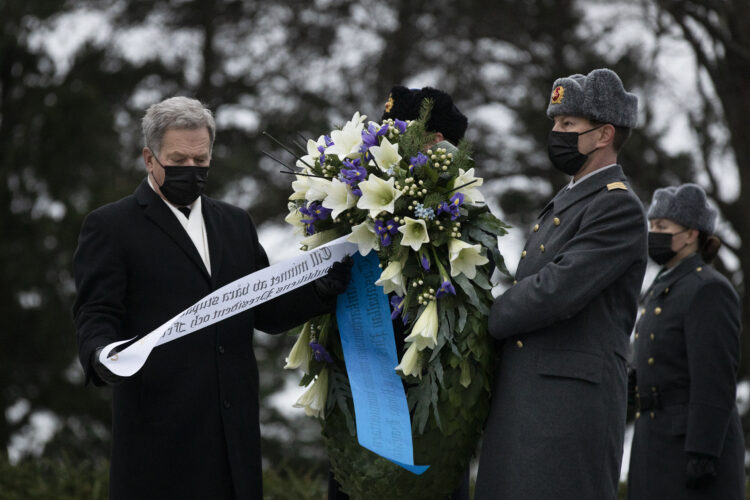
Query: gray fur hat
{"type": "Point", "coordinates": [598, 96]}
{"type": "Point", "coordinates": [686, 205]}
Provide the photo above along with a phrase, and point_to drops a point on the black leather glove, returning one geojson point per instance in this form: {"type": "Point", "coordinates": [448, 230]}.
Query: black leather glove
{"type": "Point", "coordinates": [701, 470]}
{"type": "Point", "coordinates": [336, 281]}
{"type": "Point", "coordinates": [107, 376]}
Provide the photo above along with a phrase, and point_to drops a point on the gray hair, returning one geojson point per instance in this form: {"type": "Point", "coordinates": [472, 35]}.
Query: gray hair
{"type": "Point", "coordinates": [176, 113]}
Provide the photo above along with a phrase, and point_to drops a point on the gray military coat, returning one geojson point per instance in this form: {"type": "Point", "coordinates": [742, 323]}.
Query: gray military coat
{"type": "Point", "coordinates": [686, 357]}
{"type": "Point", "coordinates": [557, 418]}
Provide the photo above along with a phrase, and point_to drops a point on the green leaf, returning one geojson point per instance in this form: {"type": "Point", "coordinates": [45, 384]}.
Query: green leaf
{"type": "Point", "coordinates": [461, 318]}
{"type": "Point", "coordinates": [471, 293]}
{"type": "Point", "coordinates": [488, 222]}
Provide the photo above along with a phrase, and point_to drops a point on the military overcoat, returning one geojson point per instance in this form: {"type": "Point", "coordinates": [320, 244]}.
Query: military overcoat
{"type": "Point", "coordinates": [186, 425]}
{"type": "Point", "coordinates": [686, 354]}
{"type": "Point", "coordinates": [557, 417]}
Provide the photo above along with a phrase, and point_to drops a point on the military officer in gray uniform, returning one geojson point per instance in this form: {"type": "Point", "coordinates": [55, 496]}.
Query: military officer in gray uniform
{"type": "Point", "coordinates": [557, 418]}
{"type": "Point", "coordinates": [688, 441]}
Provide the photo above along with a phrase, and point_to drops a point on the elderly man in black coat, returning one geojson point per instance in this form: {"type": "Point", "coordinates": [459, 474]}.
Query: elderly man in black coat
{"type": "Point", "coordinates": [186, 425]}
{"type": "Point", "coordinates": [557, 418]}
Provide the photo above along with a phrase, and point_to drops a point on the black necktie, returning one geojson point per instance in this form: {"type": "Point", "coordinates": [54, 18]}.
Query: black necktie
{"type": "Point", "coordinates": [185, 211]}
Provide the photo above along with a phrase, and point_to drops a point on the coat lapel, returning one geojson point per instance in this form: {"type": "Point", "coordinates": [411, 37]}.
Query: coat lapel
{"type": "Point", "coordinates": [683, 268]}
{"type": "Point", "coordinates": [157, 211]}
{"type": "Point", "coordinates": [568, 197]}
{"type": "Point", "coordinates": [213, 233]}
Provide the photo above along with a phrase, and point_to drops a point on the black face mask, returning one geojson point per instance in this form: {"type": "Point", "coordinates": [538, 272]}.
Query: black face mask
{"type": "Point", "coordinates": [182, 184]}
{"type": "Point", "coordinates": [660, 246]}
{"type": "Point", "coordinates": [562, 148]}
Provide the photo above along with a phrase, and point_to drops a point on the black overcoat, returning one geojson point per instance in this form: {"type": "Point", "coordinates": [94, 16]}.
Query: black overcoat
{"type": "Point", "coordinates": [557, 417]}
{"type": "Point", "coordinates": [186, 425]}
{"type": "Point", "coordinates": [686, 354]}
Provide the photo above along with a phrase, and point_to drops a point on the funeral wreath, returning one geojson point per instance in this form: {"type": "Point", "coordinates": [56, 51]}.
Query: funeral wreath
{"type": "Point", "coordinates": [420, 209]}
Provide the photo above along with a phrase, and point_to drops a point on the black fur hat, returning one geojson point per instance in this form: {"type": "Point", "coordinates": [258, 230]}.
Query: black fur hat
{"type": "Point", "coordinates": [404, 104]}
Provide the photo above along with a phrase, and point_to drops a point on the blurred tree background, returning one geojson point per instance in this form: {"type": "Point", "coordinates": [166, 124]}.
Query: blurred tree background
{"type": "Point", "coordinates": [76, 77]}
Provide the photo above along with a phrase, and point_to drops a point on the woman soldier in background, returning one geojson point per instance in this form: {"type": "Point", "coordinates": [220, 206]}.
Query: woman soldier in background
{"type": "Point", "coordinates": [688, 441]}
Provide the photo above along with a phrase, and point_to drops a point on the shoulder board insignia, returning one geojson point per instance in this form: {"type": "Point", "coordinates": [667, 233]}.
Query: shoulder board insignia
{"type": "Point", "coordinates": [616, 185]}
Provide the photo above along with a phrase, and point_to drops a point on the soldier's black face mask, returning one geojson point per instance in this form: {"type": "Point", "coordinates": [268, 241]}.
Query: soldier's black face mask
{"type": "Point", "coordinates": [562, 148]}
{"type": "Point", "coordinates": [660, 246]}
{"type": "Point", "coordinates": [182, 184]}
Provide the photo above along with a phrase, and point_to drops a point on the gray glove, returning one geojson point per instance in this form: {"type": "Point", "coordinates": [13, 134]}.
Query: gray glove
{"type": "Point", "coordinates": [102, 371]}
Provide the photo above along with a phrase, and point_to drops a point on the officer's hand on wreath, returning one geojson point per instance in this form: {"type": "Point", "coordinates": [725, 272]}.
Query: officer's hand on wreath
{"type": "Point", "coordinates": [337, 279]}
{"type": "Point", "coordinates": [104, 373]}
{"type": "Point", "coordinates": [701, 470]}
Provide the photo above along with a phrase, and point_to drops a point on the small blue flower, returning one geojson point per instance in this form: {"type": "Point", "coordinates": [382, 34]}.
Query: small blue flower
{"type": "Point", "coordinates": [314, 211]}
{"type": "Point", "coordinates": [424, 213]}
{"type": "Point", "coordinates": [353, 173]}
{"type": "Point", "coordinates": [417, 161]}
{"type": "Point", "coordinates": [401, 126]}
{"type": "Point", "coordinates": [446, 287]}
{"type": "Point", "coordinates": [449, 208]}
{"type": "Point", "coordinates": [320, 353]}
{"type": "Point", "coordinates": [328, 140]}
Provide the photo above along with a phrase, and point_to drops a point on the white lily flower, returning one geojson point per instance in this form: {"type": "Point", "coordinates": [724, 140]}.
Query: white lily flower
{"type": "Point", "coordinates": [464, 258]}
{"type": "Point", "coordinates": [314, 398]}
{"type": "Point", "coordinates": [313, 153]}
{"type": "Point", "coordinates": [301, 352]}
{"type": "Point", "coordinates": [424, 332]}
{"type": "Point", "coordinates": [339, 197]}
{"type": "Point", "coordinates": [300, 186]}
{"type": "Point", "coordinates": [317, 188]}
{"type": "Point", "coordinates": [471, 194]}
{"type": "Point", "coordinates": [349, 139]}
{"type": "Point", "coordinates": [364, 236]}
{"type": "Point", "coordinates": [410, 364]}
{"type": "Point", "coordinates": [378, 195]}
{"type": "Point", "coordinates": [386, 155]}
{"type": "Point", "coordinates": [321, 238]}
{"type": "Point", "coordinates": [294, 219]}
{"type": "Point", "coordinates": [415, 233]}
{"type": "Point", "coordinates": [391, 278]}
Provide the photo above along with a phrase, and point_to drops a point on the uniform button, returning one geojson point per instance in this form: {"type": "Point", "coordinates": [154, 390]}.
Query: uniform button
{"type": "Point", "coordinates": [519, 344]}
{"type": "Point", "coordinates": [515, 282]}
{"type": "Point", "coordinates": [657, 311]}
{"type": "Point", "coordinates": [636, 335]}
{"type": "Point", "coordinates": [221, 349]}
{"type": "Point", "coordinates": [650, 361]}
{"type": "Point", "coordinates": [556, 221]}
{"type": "Point", "coordinates": [643, 310]}
{"type": "Point", "coordinates": [651, 293]}
{"type": "Point", "coordinates": [699, 269]}
{"type": "Point", "coordinates": [523, 254]}
{"type": "Point", "coordinates": [636, 388]}
{"type": "Point", "coordinates": [653, 388]}
{"type": "Point", "coordinates": [652, 336]}
{"type": "Point", "coordinates": [536, 228]}
{"type": "Point", "coordinates": [637, 414]}
{"type": "Point", "coordinates": [653, 415]}
{"type": "Point", "coordinates": [666, 290]}
{"type": "Point", "coordinates": [541, 247]}
{"type": "Point", "coordinates": [227, 404]}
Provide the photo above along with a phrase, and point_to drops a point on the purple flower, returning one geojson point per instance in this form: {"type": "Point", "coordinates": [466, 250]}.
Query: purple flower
{"type": "Point", "coordinates": [417, 161]}
{"type": "Point", "coordinates": [370, 136]}
{"type": "Point", "coordinates": [328, 140]}
{"type": "Point", "coordinates": [425, 262]}
{"type": "Point", "coordinates": [320, 353]}
{"type": "Point", "coordinates": [397, 303]}
{"type": "Point", "coordinates": [446, 287]}
{"type": "Point", "coordinates": [353, 173]}
{"type": "Point", "coordinates": [314, 211]}
{"type": "Point", "coordinates": [401, 126]}
{"type": "Point", "coordinates": [386, 230]}
{"type": "Point", "coordinates": [450, 209]}
{"type": "Point", "coordinates": [457, 199]}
